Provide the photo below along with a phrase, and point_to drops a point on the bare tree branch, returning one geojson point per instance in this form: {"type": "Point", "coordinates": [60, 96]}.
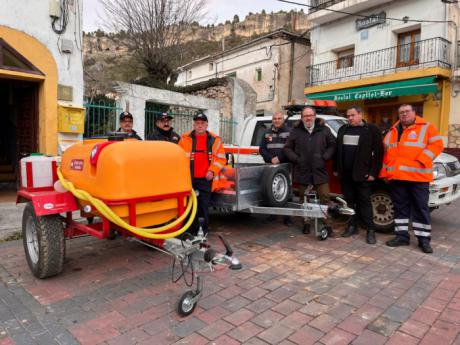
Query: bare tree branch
{"type": "Point", "coordinates": [155, 29]}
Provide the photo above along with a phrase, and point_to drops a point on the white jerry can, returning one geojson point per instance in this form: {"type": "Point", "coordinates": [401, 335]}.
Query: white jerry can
{"type": "Point", "coordinates": [38, 172]}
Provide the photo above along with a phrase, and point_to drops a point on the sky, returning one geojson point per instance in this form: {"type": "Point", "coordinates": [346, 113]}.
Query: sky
{"type": "Point", "coordinates": [218, 11]}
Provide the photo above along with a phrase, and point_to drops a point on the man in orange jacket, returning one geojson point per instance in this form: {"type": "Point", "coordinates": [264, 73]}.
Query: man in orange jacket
{"type": "Point", "coordinates": [207, 158]}
{"type": "Point", "coordinates": [410, 147]}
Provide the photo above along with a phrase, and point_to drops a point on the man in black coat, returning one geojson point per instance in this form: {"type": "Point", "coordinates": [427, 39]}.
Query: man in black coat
{"type": "Point", "coordinates": [163, 130]}
{"type": "Point", "coordinates": [357, 164]}
{"type": "Point", "coordinates": [271, 148]}
{"type": "Point", "coordinates": [309, 146]}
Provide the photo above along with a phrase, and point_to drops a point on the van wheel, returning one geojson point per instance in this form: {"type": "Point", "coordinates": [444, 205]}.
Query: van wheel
{"type": "Point", "coordinates": [276, 186]}
{"type": "Point", "coordinates": [44, 242]}
{"type": "Point", "coordinates": [382, 207]}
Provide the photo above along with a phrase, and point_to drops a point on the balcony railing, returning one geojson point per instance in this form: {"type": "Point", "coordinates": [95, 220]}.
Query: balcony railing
{"type": "Point", "coordinates": [434, 52]}
{"type": "Point", "coordinates": [321, 4]}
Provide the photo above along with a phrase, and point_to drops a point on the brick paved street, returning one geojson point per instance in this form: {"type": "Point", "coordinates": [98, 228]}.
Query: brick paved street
{"type": "Point", "coordinates": [293, 290]}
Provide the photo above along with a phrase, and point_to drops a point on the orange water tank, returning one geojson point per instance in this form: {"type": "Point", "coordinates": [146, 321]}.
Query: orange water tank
{"type": "Point", "coordinates": [131, 170]}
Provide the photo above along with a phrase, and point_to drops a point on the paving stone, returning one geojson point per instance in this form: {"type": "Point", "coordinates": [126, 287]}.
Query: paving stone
{"type": "Point", "coordinates": [368, 337]}
{"type": "Point", "coordinates": [402, 339]}
{"type": "Point", "coordinates": [187, 327]}
{"type": "Point", "coordinates": [260, 305]}
{"type": "Point", "coordinates": [216, 329]}
{"type": "Point", "coordinates": [267, 319]}
{"type": "Point", "coordinates": [276, 334]}
{"type": "Point", "coordinates": [314, 309]}
{"type": "Point", "coordinates": [384, 326]}
{"type": "Point", "coordinates": [338, 337]}
{"type": "Point", "coordinates": [245, 331]}
{"type": "Point", "coordinates": [397, 314]}
{"type": "Point", "coordinates": [306, 336]}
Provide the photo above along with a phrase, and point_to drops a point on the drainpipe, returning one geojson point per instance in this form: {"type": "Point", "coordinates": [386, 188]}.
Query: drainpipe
{"type": "Point", "coordinates": [291, 71]}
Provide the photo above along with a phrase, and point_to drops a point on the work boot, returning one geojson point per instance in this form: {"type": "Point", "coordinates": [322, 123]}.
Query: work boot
{"type": "Point", "coordinates": [370, 238]}
{"type": "Point", "coordinates": [287, 221]}
{"type": "Point", "coordinates": [350, 231]}
{"type": "Point", "coordinates": [397, 242]}
{"type": "Point", "coordinates": [306, 228]}
{"type": "Point", "coordinates": [425, 247]}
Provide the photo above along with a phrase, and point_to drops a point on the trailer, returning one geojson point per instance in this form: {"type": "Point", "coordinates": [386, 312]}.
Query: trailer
{"type": "Point", "coordinates": [267, 189]}
{"type": "Point", "coordinates": [138, 190]}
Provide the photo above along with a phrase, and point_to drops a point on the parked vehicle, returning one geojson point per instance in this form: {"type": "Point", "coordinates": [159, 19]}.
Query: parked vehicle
{"type": "Point", "coordinates": [443, 190]}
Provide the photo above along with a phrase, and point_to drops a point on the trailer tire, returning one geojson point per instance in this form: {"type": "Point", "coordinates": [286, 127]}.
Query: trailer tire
{"type": "Point", "coordinates": [186, 306]}
{"type": "Point", "coordinates": [383, 211]}
{"type": "Point", "coordinates": [44, 242]}
{"type": "Point", "coordinates": [276, 186]}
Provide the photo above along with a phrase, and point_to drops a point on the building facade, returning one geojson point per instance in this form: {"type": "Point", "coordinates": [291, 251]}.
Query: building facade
{"type": "Point", "coordinates": [273, 65]}
{"type": "Point", "coordinates": [379, 54]}
{"type": "Point", "coordinates": [41, 77]}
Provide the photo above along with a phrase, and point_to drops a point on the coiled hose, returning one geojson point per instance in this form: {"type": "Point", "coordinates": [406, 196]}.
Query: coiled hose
{"type": "Point", "coordinates": [151, 233]}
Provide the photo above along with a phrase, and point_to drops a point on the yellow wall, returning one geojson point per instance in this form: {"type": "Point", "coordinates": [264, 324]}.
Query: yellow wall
{"type": "Point", "coordinates": [40, 57]}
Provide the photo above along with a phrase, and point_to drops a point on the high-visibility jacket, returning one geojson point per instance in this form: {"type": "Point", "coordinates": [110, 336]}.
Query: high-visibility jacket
{"type": "Point", "coordinates": [215, 149]}
{"type": "Point", "coordinates": [411, 158]}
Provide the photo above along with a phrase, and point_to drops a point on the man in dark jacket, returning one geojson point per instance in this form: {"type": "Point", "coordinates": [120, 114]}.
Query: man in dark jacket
{"type": "Point", "coordinates": [271, 148]}
{"type": "Point", "coordinates": [163, 130]}
{"type": "Point", "coordinates": [357, 164]}
{"type": "Point", "coordinates": [126, 125]}
{"type": "Point", "coordinates": [309, 146]}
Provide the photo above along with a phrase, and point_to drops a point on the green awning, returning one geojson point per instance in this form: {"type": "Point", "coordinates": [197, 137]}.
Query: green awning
{"type": "Point", "coordinates": [400, 88]}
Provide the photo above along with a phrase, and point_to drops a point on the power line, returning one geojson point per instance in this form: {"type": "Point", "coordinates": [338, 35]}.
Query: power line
{"type": "Point", "coordinates": [405, 19]}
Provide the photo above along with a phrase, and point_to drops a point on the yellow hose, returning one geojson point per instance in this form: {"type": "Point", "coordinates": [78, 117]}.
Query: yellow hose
{"type": "Point", "coordinates": [152, 233]}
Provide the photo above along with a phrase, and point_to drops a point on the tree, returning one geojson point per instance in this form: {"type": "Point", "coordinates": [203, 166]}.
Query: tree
{"type": "Point", "coordinates": [155, 30]}
{"type": "Point", "coordinates": [236, 19]}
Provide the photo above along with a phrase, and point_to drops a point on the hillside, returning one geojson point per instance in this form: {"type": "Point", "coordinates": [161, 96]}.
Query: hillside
{"type": "Point", "coordinates": [108, 58]}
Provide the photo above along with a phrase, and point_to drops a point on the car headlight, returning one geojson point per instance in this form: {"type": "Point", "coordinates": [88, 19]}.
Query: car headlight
{"type": "Point", "coordinates": [439, 171]}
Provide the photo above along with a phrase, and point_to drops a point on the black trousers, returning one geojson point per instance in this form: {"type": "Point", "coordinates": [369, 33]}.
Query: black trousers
{"type": "Point", "coordinates": [358, 196]}
{"type": "Point", "coordinates": [410, 201]}
{"type": "Point", "coordinates": [203, 187]}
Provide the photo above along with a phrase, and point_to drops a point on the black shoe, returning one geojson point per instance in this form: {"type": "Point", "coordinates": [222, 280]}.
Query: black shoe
{"type": "Point", "coordinates": [397, 242]}
{"type": "Point", "coordinates": [370, 238]}
{"type": "Point", "coordinates": [306, 229]}
{"type": "Point", "coordinates": [351, 230]}
{"type": "Point", "coordinates": [425, 247]}
{"type": "Point", "coordinates": [287, 221]}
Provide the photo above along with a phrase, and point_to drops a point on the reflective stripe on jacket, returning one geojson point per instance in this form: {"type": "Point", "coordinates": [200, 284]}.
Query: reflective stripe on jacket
{"type": "Point", "coordinates": [411, 159]}
{"type": "Point", "coordinates": [216, 152]}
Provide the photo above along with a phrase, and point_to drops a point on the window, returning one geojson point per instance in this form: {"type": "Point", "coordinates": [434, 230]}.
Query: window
{"type": "Point", "coordinates": [345, 58]}
{"type": "Point", "coordinates": [10, 59]}
{"type": "Point", "coordinates": [408, 48]}
{"type": "Point", "coordinates": [211, 66]}
{"type": "Point", "coordinates": [231, 75]}
{"type": "Point", "coordinates": [189, 74]}
{"type": "Point", "coordinates": [258, 74]}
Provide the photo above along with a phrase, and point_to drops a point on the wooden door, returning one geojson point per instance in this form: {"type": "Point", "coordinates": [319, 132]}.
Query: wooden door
{"type": "Point", "coordinates": [408, 48]}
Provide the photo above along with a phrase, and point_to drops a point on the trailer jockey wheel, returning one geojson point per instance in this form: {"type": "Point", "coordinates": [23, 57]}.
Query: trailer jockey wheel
{"type": "Point", "coordinates": [276, 186]}
{"type": "Point", "coordinates": [44, 242]}
{"type": "Point", "coordinates": [186, 304]}
{"type": "Point", "coordinates": [323, 234]}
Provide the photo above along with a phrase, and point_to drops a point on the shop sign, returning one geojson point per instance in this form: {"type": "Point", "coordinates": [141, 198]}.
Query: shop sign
{"type": "Point", "coordinates": [372, 20]}
{"type": "Point", "coordinates": [358, 96]}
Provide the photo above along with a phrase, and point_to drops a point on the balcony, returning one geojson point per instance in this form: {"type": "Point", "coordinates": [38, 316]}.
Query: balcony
{"type": "Point", "coordinates": [434, 52]}
{"type": "Point", "coordinates": [320, 4]}
{"type": "Point", "coordinates": [324, 10]}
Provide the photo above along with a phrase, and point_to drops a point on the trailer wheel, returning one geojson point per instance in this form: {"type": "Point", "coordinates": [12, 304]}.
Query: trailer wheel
{"type": "Point", "coordinates": [382, 207]}
{"type": "Point", "coordinates": [276, 184]}
{"type": "Point", "coordinates": [186, 305]}
{"type": "Point", "coordinates": [323, 234]}
{"type": "Point", "coordinates": [44, 242]}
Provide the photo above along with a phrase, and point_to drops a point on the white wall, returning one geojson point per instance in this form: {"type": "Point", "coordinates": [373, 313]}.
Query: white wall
{"type": "Point", "coordinates": [341, 33]}
{"type": "Point", "coordinates": [32, 17]}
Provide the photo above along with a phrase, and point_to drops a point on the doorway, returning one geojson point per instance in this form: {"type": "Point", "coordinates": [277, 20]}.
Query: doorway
{"type": "Point", "coordinates": [18, 130]}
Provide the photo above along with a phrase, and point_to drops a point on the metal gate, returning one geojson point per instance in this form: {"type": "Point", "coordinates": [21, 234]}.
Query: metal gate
{"type": "Point", "coordinates": [100, 118]}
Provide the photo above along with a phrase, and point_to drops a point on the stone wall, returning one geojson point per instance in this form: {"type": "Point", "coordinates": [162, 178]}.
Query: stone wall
{"type": "Point", "coordinates": [454, 136]}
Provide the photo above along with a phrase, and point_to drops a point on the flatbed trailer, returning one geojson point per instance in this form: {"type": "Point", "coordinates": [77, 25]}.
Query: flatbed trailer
{"type": "Point", "coordinates": [267, 189]}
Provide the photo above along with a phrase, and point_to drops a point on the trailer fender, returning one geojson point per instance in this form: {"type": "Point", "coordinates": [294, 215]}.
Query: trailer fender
{"type": "Point", "coordinates": [49, 202]}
